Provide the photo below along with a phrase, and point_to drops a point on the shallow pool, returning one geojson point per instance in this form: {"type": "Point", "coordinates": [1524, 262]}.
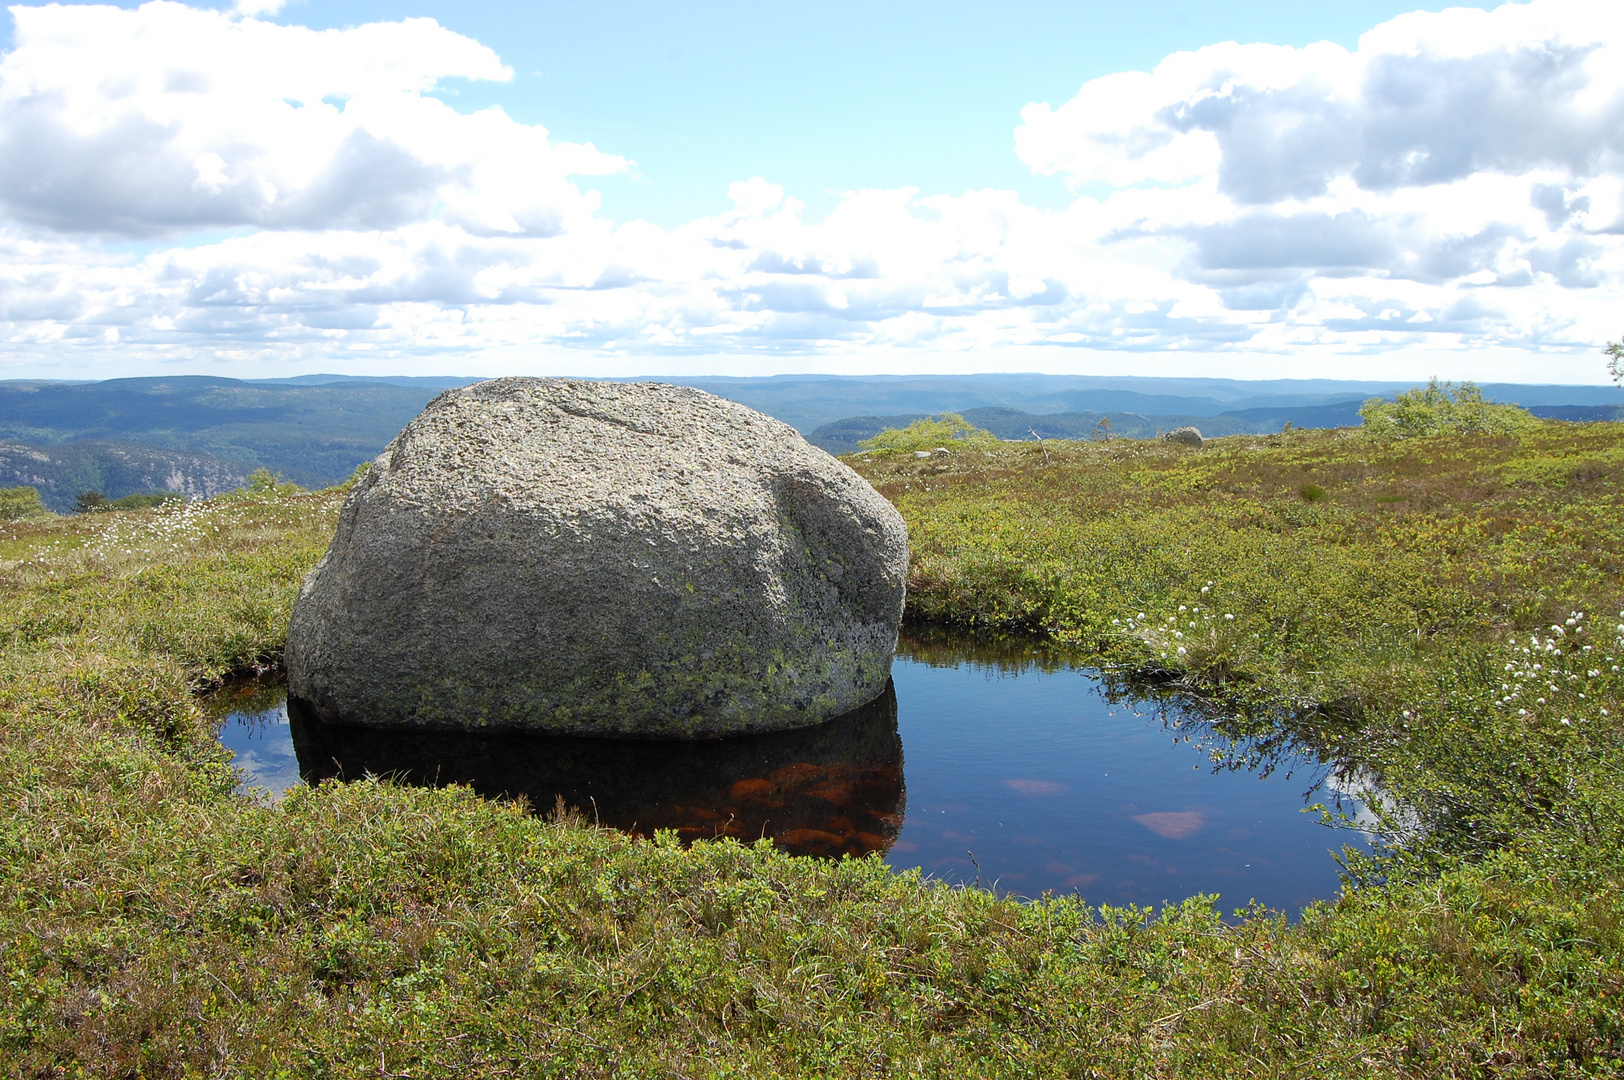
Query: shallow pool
{"type": "Point", "coordinates": [1007, 769]}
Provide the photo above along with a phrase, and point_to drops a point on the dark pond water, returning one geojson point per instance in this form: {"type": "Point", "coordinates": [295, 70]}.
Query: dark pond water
{"type": "Point", "coordinates": [1023, 774]}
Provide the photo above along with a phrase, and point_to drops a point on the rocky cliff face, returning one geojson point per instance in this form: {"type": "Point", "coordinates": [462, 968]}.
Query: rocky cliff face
{"type": "Point", "coordinates": [115, 469]}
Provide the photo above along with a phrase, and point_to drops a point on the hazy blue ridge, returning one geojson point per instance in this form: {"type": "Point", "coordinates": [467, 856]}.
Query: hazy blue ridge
{"type": "Point", "coordinates": [809, 401]}
{"type": "Point", "coordinates": [436, 382]}
{"type": "Point", "coordinates": [843, 436]}
{"type": "Point", "coordinates": [65, 437]}
{"type": "Point", "coordinates": [314, 435]}
{"type": "Point", "coordinates": [1581, 413]}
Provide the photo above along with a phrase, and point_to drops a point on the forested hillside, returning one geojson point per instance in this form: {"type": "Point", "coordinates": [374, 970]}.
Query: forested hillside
{"type": "Point", "coordinates": [315, 435]}
{"type": "Point", "coordinates": [114, 469]}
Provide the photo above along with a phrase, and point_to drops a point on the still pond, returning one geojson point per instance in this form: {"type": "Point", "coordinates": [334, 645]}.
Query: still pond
{"type": "Point", "coordinates": [1022, 772]}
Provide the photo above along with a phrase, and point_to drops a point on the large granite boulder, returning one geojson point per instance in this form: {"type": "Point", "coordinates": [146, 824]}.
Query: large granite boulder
{"type": "Point", "coordinates": [627, 559]}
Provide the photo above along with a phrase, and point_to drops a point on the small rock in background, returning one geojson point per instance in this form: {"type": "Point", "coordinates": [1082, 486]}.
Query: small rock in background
{"type": "Point", "coordinates": [1185, 436]}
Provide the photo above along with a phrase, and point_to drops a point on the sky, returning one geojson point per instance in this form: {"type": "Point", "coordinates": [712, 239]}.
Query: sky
{"type": "Point", "coordinates": [1358, 190]}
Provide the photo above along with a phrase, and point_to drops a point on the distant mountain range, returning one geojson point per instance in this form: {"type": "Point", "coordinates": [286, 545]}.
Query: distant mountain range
{"type": "Point", "coordinates": [313, 432]}
{"type": "Point", "coordinates": [810, 401]}
{"type": "Point", "coordinates": [843, 436]}
{"type": "Point", "coordinates": [201, 434]}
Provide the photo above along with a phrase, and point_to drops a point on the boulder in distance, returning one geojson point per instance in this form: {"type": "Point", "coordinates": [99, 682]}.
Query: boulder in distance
{"type": "Point", "coordinates": [599, 558]}
{"type": "Point", "coordinates": [1184, 436]}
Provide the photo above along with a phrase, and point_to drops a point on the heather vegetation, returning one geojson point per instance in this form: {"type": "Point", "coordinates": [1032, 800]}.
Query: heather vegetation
{"type": "Point", "coordinates": [1443, 610]}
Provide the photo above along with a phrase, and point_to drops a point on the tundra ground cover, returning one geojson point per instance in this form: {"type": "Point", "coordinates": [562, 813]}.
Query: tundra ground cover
{"type": "Point", "coordinates": [1375, 590]}
{"type": "Point", "coordinates": [154, 924]}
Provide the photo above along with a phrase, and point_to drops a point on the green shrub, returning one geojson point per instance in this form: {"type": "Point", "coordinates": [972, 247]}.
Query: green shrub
{"type": "Point", "coordinates": [1441, 407]}
{"type": "Point", "coordinates": [144, 500]}
{"type": "Point", "coordinates": [357, 476]}
{"type": "Point", "coordinates": [21, 504]}
{"type": "Point", "coordinates": [94, 502]}
{"type": "Point", "coordinates": [948, 429]}
{"type": "Point", "coordinates": [264, 482]}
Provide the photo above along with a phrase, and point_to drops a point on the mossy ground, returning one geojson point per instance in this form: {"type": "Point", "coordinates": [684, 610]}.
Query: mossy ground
{"type": "Point", "coordinates": [154, 924]}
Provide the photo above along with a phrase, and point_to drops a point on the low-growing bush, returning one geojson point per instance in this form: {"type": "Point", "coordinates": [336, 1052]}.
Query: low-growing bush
{"type": "Point", "coordinates": [94, 502]}
{"type": "Point", "coordinates": [1441, 407]}
{"type": "Point", "coordinates": [21, 504]}
{"type": "Point", "coordinates": [947, 430]}
{"type": "Point", "coordinates": [264, 482]}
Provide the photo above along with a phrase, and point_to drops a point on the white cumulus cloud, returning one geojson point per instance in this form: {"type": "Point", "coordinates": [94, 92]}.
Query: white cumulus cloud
{"type": "Point", "coordinates": [167, 119]}
{"type": "Point", "coordinates": [1456, 181]}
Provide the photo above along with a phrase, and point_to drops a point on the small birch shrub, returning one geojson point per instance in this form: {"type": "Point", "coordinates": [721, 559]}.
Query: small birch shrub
{"type": "Point", "coordinates": [21, 504]}
{"type": "Point", "coordinates": [949, 430]}
{"type": "Point", "coordinates": [1439, 408]}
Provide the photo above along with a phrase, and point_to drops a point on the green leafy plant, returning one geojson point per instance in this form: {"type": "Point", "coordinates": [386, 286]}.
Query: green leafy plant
{"type": "Point", "coordinates": [264, 482]}
{"type": "Point", "coordinates": [1441, 407]}
{"type": "Point", "coordinates": [94, 502]}
{"type": "Point", "coordinates": [21, 504]}
{"type": "Point", "coordinates": [144, 500]}
{"type": "Point", "coordinates": [947, 430]}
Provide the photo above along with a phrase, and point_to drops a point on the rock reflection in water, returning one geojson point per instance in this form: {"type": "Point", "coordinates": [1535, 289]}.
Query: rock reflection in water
{"type": "Point", "coordinates": [832, 789]}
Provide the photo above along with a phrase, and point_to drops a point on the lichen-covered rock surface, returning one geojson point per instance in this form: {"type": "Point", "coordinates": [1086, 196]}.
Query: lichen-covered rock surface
{"type": "Point", "coordinates": [601, 558]}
